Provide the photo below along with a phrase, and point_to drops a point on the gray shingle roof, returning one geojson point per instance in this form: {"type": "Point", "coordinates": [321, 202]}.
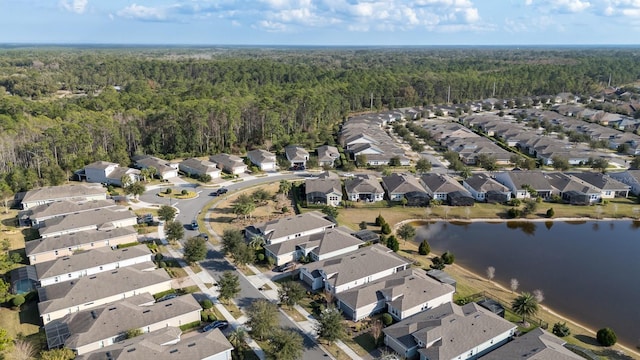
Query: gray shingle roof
{"type": "Point", "coordinates": [202, 166]}
{"type": "Point", "coordinates": [438, 183]}
{"type": "Point", "coordinates": [92, 288]}
{"type": "Point", "coordinates": [66, 207]}
{"type": "Point", "coordinates": [358, 264]}
{"type": "Point", "coordinates": [535, 179]}
{"type": "Point", "coordinates": [164, 345]}
{"type": "Point", "coordinates": [97, 217]}
{"type": "Point", "coordinates": [536, 344]}
{"type": "Point", "coordinates": [76, 239]}
{"type": "Point", "coordinates": [458, 329]}
{"type": "Point", "coordinates": [322, 243]}
{"type": "Point", "coordinates": [401, 183]}
{"type": "Point", "coordinates": [367, 184]}
{"type": "Point", "coordinates": [88, 259]}
{"type": "Point", "coordinates": [484, 183]}
{"type": "Point", "coordinates": [228, 162]}
{"type": "Point", "coordinates": [260, 156]}
{"type": "Point", "coordinates": [68, 191]}
{"type": "Point", "coordinates": [293, 225]}
{"type": "Point", "coordinates": [327, 153]}
{"type": "Point", "coordinates": [296, 153]}
{"type": "Point", "coordinates": [110, 320]}
{"type": "Point", "coordinates": [600, 181]}
{"type": "Point", "coordinates": [408, 288]}
{"type": "Point", "coordinates": [323, 186]}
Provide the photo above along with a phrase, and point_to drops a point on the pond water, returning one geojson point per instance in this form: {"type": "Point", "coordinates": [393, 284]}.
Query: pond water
{"type": "Point", "coordinates": [588, 271]}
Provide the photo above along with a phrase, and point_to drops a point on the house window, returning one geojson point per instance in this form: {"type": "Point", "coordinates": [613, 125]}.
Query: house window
{"type": "Point", "coordinates": [607, 193]}
{"type": "Point", "coordinates": [55, 252]}
{"type": "Point", "coordinates": [100, 267]}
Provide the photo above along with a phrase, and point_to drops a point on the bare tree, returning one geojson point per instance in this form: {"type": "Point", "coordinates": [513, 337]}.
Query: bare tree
{"type": "Point", "coordinates": [376, 331]}
{"type": "Point", "coordinates": [23, 350]}
{"type": "Point", "coordinates": [514, 285]}
{"type": "Point", "coordinates": [491, 273]}
{"type": "Point", "coordinates": [538, 295]}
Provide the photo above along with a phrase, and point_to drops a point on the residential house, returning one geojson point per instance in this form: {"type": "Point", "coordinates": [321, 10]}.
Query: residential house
{"type": "Point", "coordinates": [36, 215]}
{"type": "Point", "coordinates": [439, 186]}
{"type": "Point", "coordinates": [164, 169]}
{"type": "Point", "coordinates": [536, 344]}
{"type": "Point", "coordinates": [263, 159]}
{"type": "Point", "coordinates": [105, 325]}
{"type": "Point", "coordinates": [297, 156]}
{"type": "Point", "coordinates": [101, 219]}
{"type": "Point", "coordinates": [449, 331]}
{"type": "Point", "coordinates": [484, 188]}
{"type": "Point", "coordinates": [327, 155]}
{"type": "Point", "coordinates": [87, 263]}
{"type": "Point", "coordinates": [608, 186]}
{"type": "Point", "coordinates": [231, 164]}
{"type": "Point", "coordinates": [572, 190]}
{"type": "Point", "coordinates": [364, 187]}
{"type": "Point", "coordinates": [522, 183]}
{"type": "Point", "coordinates": [400, 186]}
{"type": "Point", "coordinates": [276, 231]}
{"type": "Point", "coordinates": [88, 292]}
{"type": "Point", "coordinates": [104, 172]}
{"type": "Point", "coordinates": [166, 344]}
{"type": "Point", "coordinates": [46, 249]}
{"type": "Point", "coordinates": [402, 294]}
{"type": "Point", "coordinates": [325, 190]}
{"type": "Point", "coordinates": [629, 177]}
{"type": "Point", "coordinates": [362, 266]}
{"type": "Point", "coordinates": [330, 243]}
{"type": "Point", "coordinates": [74, 192]}
{"type": "Point", "coordinates": [198, 167]}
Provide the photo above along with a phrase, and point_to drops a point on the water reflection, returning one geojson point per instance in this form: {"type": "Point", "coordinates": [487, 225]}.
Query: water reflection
{"type": "Point", "coordinates": [527, 227]}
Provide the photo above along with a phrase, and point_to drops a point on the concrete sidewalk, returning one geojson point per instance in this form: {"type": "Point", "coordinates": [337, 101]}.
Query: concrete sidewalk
{"type": "Point", "coordinates": [200, 280]}
{"type": "Point", "coordinates": [308, 326]}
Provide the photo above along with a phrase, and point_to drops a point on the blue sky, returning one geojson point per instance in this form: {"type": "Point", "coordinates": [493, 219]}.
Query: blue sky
{"type": "Point", "coordinates": [322, 22]}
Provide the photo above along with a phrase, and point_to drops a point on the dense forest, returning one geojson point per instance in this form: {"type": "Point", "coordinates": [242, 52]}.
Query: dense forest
{"type": "Point", "coordinates": [61, 108]}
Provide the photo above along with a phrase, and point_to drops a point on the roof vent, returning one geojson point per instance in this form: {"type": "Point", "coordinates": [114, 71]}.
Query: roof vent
{"type": "Point", "coordinates": [131, 350]}
{"type": "Point", "coordinates": [93, 314]}
{"type": "Point", "coordinates": [146, 311]}
{"type": "Point", "coordinates": [169, 304]}
{"type": "Point", "coordinates": [92, 277]}
{"type": "Point", "coordinates": [173, 351]}
{"type": "Point", "coordinates": [113, 308]}
{"type": "Point", "coordinates": [192, 344]}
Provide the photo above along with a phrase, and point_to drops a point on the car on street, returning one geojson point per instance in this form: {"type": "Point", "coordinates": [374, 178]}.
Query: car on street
{"type": "Point", "coordinates": [204, 236]}
{"type": "Point", "coordinates": [219, 192]}
{"type": "Point", "coordinates": [284, 267]}
{"type": "Point", "coordinates": [167, 297]}
{"type": "Point", "coordinates": [218, 324]}
{"type": "Point", "coordinates": [194, 225]}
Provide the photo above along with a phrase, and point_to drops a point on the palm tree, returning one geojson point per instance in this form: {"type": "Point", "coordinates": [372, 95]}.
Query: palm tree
{"type": "Point", "coordinates": [237, 338]}
{"type": "Point", "coordinates": [525, 305]}
{"type": "Point", "coordinates": [285, 187]}
{"type": "Point", "coordinates": [256, 242]}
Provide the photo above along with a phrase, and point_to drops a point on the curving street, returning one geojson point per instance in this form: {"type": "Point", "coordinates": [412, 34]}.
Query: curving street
{"type": "Point", "coordinates": [215, 263]}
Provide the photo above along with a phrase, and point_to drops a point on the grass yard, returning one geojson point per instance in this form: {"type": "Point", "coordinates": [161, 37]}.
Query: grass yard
{"type": "Point", "coordinates": [293, 313]}
{"type": "Point", "coordinates": [25, 322]}
{"type": "Point", "coordinates": [335, 351]}
{"type": "Point", "coordinates": [233, 309]}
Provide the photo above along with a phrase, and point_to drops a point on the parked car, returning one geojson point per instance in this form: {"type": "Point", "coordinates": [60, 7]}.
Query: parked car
{"type": "Point", "coordinates": [218, 324]}
{"type": "Point", "coordinates": [285, 267]}
{"type": "Point", "coordinates": [194, 225]}
{"type": "Point", "coordinates": [167, 297]}
{"type": "Point", "coordinates": [204, 236]}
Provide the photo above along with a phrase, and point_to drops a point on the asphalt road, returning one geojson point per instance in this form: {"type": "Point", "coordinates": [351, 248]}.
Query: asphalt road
{"type": "Point", "coordinates": [215, 263]}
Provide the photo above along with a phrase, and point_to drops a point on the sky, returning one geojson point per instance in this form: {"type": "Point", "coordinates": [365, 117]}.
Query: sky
{"type": "Point", "coordinates": [322, 22]}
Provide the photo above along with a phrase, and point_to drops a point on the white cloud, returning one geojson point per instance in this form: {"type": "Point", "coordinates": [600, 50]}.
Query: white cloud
{"type": "Point", "coordinates": [271, 26]}
{"type": "Point", "coordinates": [76, 6]}
{"type": "Point", "coordinates": [140, 12]}
{"type": "Point", "coordinates": [565, 6]}
{"type": "Point", "coordinates": [626, 8]}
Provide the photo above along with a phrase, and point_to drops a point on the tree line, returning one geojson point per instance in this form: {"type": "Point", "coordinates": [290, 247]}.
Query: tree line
{"type": "Point", "coordinates": [61, 109]}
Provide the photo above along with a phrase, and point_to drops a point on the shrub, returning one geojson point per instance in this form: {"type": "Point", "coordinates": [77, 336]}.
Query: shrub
{"type": "Point", "coordinates": [513, 213]}
{"type": "Point", "coordinates": [285, 209]}
{"type": "Point", "coordinates": [393, 244]}
{"type": "Point", "coordinates": [606, 337]}
{"type": "Point", "coordinates": [387, 319]}
{"type": "Point", "coordinates": [260, 257]}
{"type": "Point", "coordinates": [363, 225]}
{"type": "Point", "coordinates": [17, 300]}
{"type": "Point", "coordinates": [168, 191]}
{"type": "Point", "coordinates": [561, 329]}
{"type": "Point", "coordinates": [204, 317]}
{"type": "Point", "coordinates": [448, 258]}
{"type": "Point", "coordinates": [207, 304]}
{"type": "Point", "coordinates": [184, 192]}
{"type": "Point", "coordinates": [424, 248]}
{"type": "Point", "coordinates": [162, 264]}
{"type": "Point", "coordinates": [386, 229]}
{"type": "Point", "coordinates": [212, 317]}
{"type": "Point", "coordinates": [380, 220]}
{"type": "Point", "coordinates": [550, 213]}
{"type": "Point", "coordinates": [159, 256]}
{"type": "Point", "coordinates": [515, 202]}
